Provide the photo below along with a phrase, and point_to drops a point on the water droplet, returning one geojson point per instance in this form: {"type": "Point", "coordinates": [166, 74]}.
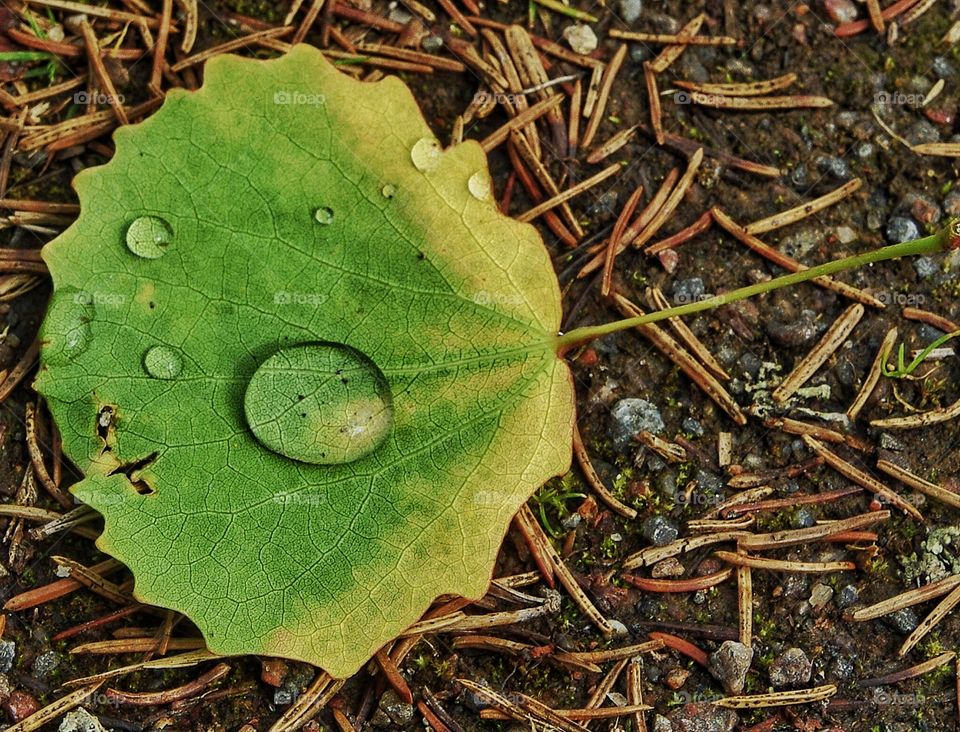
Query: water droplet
{"type": "Point", "coordinates": [323, 215]}
{"type": "Point", "coordinates": [66, 327]}
{"type": "Point", "coordinates": [389, 190]}
{"type": "Point", "coordinates": [479, 185]}
{"type": "Point", "coordinates": [163, 362]}
{"type": "Point", "coordinates": [149, 237]}
{"type": "Point", "coordinates": [322, 403]}
{"type": "Point", "coordinates": [425, 154]}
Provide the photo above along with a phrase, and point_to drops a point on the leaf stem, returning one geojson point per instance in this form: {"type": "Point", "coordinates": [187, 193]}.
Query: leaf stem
{"type": "Point", "coordinates": [948, 237]}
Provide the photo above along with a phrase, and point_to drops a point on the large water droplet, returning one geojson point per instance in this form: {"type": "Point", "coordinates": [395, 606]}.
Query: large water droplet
{"type": "Point", "coordinates": [389, 190]}
{"type": "Point", "coordinates": [425, 154]}
{"type": "Point", "coordinates": [479, 185]}
{"type": "Point", "coordinates": [163, 362]}
{"type": "Point", "coordinates": [66, 327]}
{"type": "Point", "coordinates": [323, 403]}
{"type": "Point", "coordinates": [149, 237]}
{"type": "Point", "coordinates": [323, 215]}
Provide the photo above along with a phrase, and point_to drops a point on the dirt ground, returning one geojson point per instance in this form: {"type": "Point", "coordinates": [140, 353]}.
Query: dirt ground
{"type": "Point", "coordinates": [868, 78]}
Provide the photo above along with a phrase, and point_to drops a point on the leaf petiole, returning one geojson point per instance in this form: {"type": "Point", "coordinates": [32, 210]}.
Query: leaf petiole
{"type": "Point", "coordinates": [946, 238]}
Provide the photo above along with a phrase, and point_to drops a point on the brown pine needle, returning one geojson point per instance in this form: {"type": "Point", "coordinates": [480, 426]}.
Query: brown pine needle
{"type": "Point", "coordinates": [57, 589]}
{"type": "Point", "coordinates": [672, 52]}
{"type": "Point", "coordinates": [635, 694]}
{"type": "Point", "coordinates": [793, 215]}
{"type": "Point", "coordinates": [909, 598]}
{"type": "Point", "coordinates": [683, 236]}
{"type": "Point", "coordinates": [782, 565]}
{"type": "Point", "coordinates": [594, 481]}
{"type": "Point", "coordinates": [861, 478]}
{"type": "Point", "coordinates": [596, 114]}
{"type": "Point", "coordinates": [910, 673]}
{"type": "Point", "coordinates": [584, 714]}
{"type": "Point", "coordinates": [316, 697]}
{"type": "Point", "coordinates": [778, 698]}
{"type": "Point", "coordinates": [792, 537]}
{"type": "Point", "coordinates": [744, 604]}
{"type": "Point", "coordinates": [308, 20]}
{"type": "Point", "coordinates": [939, 149]}
{"type": "Point", "coordinates": [97, 12]}
{"type": "Point", "coordinates": [831, 341]}
{"type": "Point", "coordinates": [694, 584]}
{"type": "Point", "coordinates": [615, 654]}
{"type": "Point", "coordinates": [928, 623]}
{"type": "Point", "coordinates": [876, 15]}
{"type": "Point", "coordinates": [93, 581]}
{"type": "Point", "coordinates": [873, 375]}
{"type": "Point", "coordinates": [687, 336]}
{"type": "Point", "coordinates": [653, 100]}
{"type": "Point", "coordinates": [932, 319]}
{"type": "Point", "coordinates": [606, 281]}
{"type": "Point", "coordinates": [672, 39]}
{"type": "Point", "coordinates": [669, 451]}
{"type": "Point", "coordinates": [759, 104]}
{"type": "Point", "coordinates": [653, 554]}
{"type": "Point", "coordinates": [531, 114]}
{"type": "Point", "coordinates": [924, 419]}
{"type": "Point", "coordinates": [100, 72]}
{"type": "Point", "coordinates": [231, 45]}
{"type": "Point", "coordinates": [160, 48]}
{"type": "Point", "coordinates": [571, 192]}
{"type": "Point", "coordinates": [521, 712]}
{"type": "Point", "coordinates": [36, 458]}
{"type": "Point", "coordinates": [612, 145]}
{"type": "Point", "coordinates": [917, 483]}
{"type": "Point", "coordinates": [153, 698]}
{"type": "Point", "coordinates": [747, 89]}
{"type": "Point", "coordinates": [673, 200]}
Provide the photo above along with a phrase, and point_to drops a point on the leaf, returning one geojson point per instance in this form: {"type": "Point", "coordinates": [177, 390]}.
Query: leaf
{"type": "Point", "coordinates": [250, 248]}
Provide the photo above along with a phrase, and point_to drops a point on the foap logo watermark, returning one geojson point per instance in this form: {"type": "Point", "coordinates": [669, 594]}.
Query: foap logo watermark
{"type": "Point", "coordinates": [297, 499]}
{"type": "Point", "coordinates": [684, 298]}
{"type": "Point", "coordinates": [298, 98]}
{"type": "Point", "coordinates": [286, 297]}
{"type": "Point", "coordinates": [485, 297]}
{"type": "Point", "coordinates": [898, 99]}
{"type": "Point", "coordinates": [109, 299]}
{"type": "Point", "coordinates": [894, 698]}
{"type": "Point", "coordinates": [486, 97]}
{"type": "Point", "coordinates": [903, 299]}
{"type": "Point", "coordinates": [97, 98]}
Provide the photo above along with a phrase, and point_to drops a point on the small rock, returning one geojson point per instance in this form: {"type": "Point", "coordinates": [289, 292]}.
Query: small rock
{"type": "Point", "coordinates": [841, 668]}
{"type": "Point", "coordinates": [925, 267]}
{"type": "Point", "coordinates": [800, 177]}
{"type": "Point", "coordinates": [889, 442]}
{"type": "Point", "coordinates": [951, 204]}
{"type": "Point", "coordinates": [790, 668]}
{"type": "Point", "coordinates": [820, 595]}
{"type": "Point", "coordinates": [803, 518]}
{"type": "Point", "coordinates": [923, 208]}
{"type": "Point", "coordinates": [581, 38]}
{"type": "Point", "coordinates": [687, 291]}
{"type": "Point", "coordinates": [903, 621]}
{"type": "Point", "coordinates": [44, 664]}
{"type": "Point", "coordinates": [667, 568]}
{"type": "Point", "coordinates": [942, 67]}
{"type": "Point", "coordinates": [392, 712]}
{"type": "Point", "coordinates": [20, 705]}
{"type": "Point", "coordinates": [639, 53]}
{"type": "Point", "coordinates": [729, 665]}
{"type": "Point", "coordinates": [847, 596]}
{"type": "Point", "coordinates": [619, 629]}
{"type": "Point", "coordinates": [794, 332]}
{"type": "Point", "coordinates": [703, 717]}
{"type": "Point", "coordinates": [604, 206]}
{"type": "Point", "coordinates": [841, 11]}
{"type": "Point", "coordinates": [692, 427]}
{"type": "Point", "coordinates": [676, 677]}
{"type": "Point", "coordinates": [8, 651]}
{"type": "Point", "coordinates": [799, 244]}
{"type": "Point", "coordinates": [80, 720]}
{"type": "Point", "coordinates": [834, 166]}
{"type": "Point", "coordinates": [632, 416]}
{"type": "Point", "coordinates": [661, 724]}
{"type": "Point", "coordinates": [922, 131]}
{"type": "Point", "coordinates": [630, 10]}
{"type": "Point", "coordinates": [846, 235]}
{"type": "Point", "coordinates": [900, 229]}
{"type": "Point", "coordinates": [658, 530]}
{"type": "Point", "coordinates": [273, 671]}
{"type": "Point", "coordinates": [432, 43]}
{"type": "Point", "coordinates": [865, 150]}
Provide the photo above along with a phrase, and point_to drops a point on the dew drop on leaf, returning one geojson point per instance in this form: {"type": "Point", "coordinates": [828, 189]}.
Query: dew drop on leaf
{"type": "Point", "coordinates": [162, 362]}
{"type": "Point", "coordinates": [479, 185]}
{"type": "Point", "coordinates": [389, 190]}
{"type": "Point", "coordinates": [323, 215]}
{"type": "Point", "coordinates": [149, 237]}
{"type": "Point", "coordinates": [425, 154]}
{"type": "Point", "coordinates": [322, 403]}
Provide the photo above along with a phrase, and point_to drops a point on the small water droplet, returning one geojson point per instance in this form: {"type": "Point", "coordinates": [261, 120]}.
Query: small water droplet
{"type": "Point", "coordinates": [425, 154]}
{"type": "Point", "coordinates": [389, 190]}
{"type": "Point", "coordinates": [322, 403]}
{"type": "Point", "coordinates": [149, 237]}
{"type": "Point", "coordinates": [163, 362]}
{"type": "Point", "coordinates": [323, 215]}
{"type": "Point", "coordinates": [66, 327]}
{"type": "Point", "coordinates": [479, 185]}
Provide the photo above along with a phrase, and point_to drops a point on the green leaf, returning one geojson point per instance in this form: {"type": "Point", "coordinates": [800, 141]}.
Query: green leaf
{"type": "Point", "coordinates": [306, 366]}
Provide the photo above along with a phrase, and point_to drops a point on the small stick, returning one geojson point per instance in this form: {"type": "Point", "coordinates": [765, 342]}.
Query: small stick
{"type": "Point", "coordinates": [773, 504]}
{"type": "Point", "coordinates": [393, 675]}
{"type": "Point", "coordinates": [93, 581]}
{"type": "Point", "coordinates": [760, 104]}
{"type": "Point", "coordinates": [917, 483]}
{"type": "Point", "coordinates": [693, 584]}
{"type": "Point", "coordinates": [687, 336]}
{"type": "Point", "coordinates": [873, 375]}
{"type": "Point", "coordinates": [671, 39]}
{"type": "Point", "coordinates": [19, 370]}
{"type": "Point", "coordinates": [584, 714]}
{"type": "Point", "coordinates": [612, 145]}
{"type": "Point", "coordinates": [459, 18]}
{"type": "Point", "coordinates": [606, 281]}
{"type": "Point", "coordinates": [672, 52]}
{"type": "Point", "coordinates": [593, 90]}
{"type": "Point", "coordinates": [98, 622]}
{"type": "Point", "coordinates": [932, 319]}
{"type": "Point", "coordinates": [598, 696]}
{"type": "Point", "coordinates": [438, 709]}
{"type": "Point", "coordinates": [673, 200]}
{"type": "Point", "coordinates": [653, 98]}
{"type": "Point", "coordinates": [748, 89]}
{"type": "Point", "coordinates": [792, 537]}
{"type": "Point", "coordinates": [97, 12]}
{"type": "Point", "coordinates": [531, 114]}
{"type": "Point", "coordinates": [36, 458]}
{"type": "Point", "coordinates": [100, 72]}
{"type": "Point", "coordinates": [801, 212]}
{"type": "Point", "coordinates": [910, 673]}
{"type": "Point", "coordinates": [835, 336]}
{"type": "Point", "coordinates": [160, 47]}
{"type": "Point", "coordinates": [573, 128]}
{"type": "Point", "coordinates": [615, 654]}
{"type": "Point", "coordinates": [153, 698]}
{"type": "Point", "coordinates": [744, 602]}
{"type": "Point", "coordinates": [571, 192]}
{"type": "Point", "coordinates": [386, 63]}
{"type": "Point", "coordinates": [684, 235]}
{"type": "Point", "coordinates": [26, 100]}
{"type": "Point", "coordinates": [739, 559]}
{"type": "Point", "coordinates": [609, 74]}
{"type": "Point", "coordinates": [669, 451]}
{"type": "Point", "coordinates": [307, 23]}
{"type": "Point", "coordinates": [790, 264]}
{"type": "Point", "coordinates": [537, 550]}
{"type": "Point", "coordinates": [58, 588]}
{"type": "Point", "coordinates": [594, 481]}
{"type": "Point", "coordinates": [778, 698]}
{"type": "Point", "coordinates": [928, 623]}
{"type": "Point", "coordinates": [688, 147]}
{"type": "Point", "coordinates": [231, 45]}
{"type": "Point", "coordinates": [635, 694]}
{"type": "Point", "coordinates": [861, 478]}
{"type": "Point", "coordinates": [459, 622]}
{"type": "Point", "coordinates": [924, 419]}
{"type": "Point", "coordinates": [405, 54]}
{"type": "Point", "coordinates": [136, 645]}
{"type": "Point", "coordinates": [907, 599]}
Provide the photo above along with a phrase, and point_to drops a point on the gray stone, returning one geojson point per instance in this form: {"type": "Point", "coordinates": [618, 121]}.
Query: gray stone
{"type": "Point", "coordinates": [632, 416]}
{"type": "Point", "coordinates": [847, 596]}
{"type": "Point", "coordinates": [392, 712]}
{"type": "Point", "coordinates": [80, 720]}
{"type": "Point", "coordinates": [432, 43]}
{"type": "Point", "coordinates": [658, 530]}
{"type": "Point", "coordinates": [921, 132]}
{"type": "Point", "coordinates": [790, 668]}
{"type": "Point", "coordinates": [803, 518]}
{"type": "Point", "coordinates": [942, 67]}
{"type": "Point", "coordinates": [925, 267]}
{"type": "Point", "coordinates": [44, 664]}
{"type": "Point", "coordinates": [841, 11]}
{"type": "Point", "coordinates": [661, 724]}
{"type": "Point", "coordinates": [630, 10]}
{"type": "Point", "coordinates": [703, 717]}
{"type": "Point", "coordinates": [835, 167]}
{"type": "Point", "coordinates": [951, 204]}
{"type": "Point", "coordinates": [820, 595]}
{"type": "Point", "coordinates": [687, 291]}
{"type": "Point", "coordinates": [8, 651]}
{"type": "Point", "coordinates": [900, 229]}
{"type": "Point", "coordinates": [729, 665]}
{"type": "Point", "coordinates": [692, 427]}
{"type": "Point", "coordinates": [903, 621]}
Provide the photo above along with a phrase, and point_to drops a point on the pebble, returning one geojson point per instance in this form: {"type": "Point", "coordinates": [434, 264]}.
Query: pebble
{"type": "Point", "coordinates": [632, 416]}
{"type": "Point", "coordinates": [432, 43]}
{"type": "Point", "coordinates": [922, 131]}
{"type": "Point", "coordinates": [820, 595]}
{"type": "Point", "coordinates": [640, 53]}
{"type": "Point", "coordinates": [800, 177]}
{"type": "Point", "coordinates": [925, 267]}
{"type": "Point", "coordinates": [799, 244]}
{"type": "Point", "coordinates": [951, 204]}
{"type": "Point", "coordinates": [676, 678]}
{"type": "Point", "coordinates": [794, 332]}
{"type": "Point", "coordinates": [662, 724]}
{"type": "Point", "coordinates": [604, 206]}
{"type": "Point", "coordinates": [658, 530]}
{"type": "Point", "coordinates": [687, 291]}
{"type": "Point", "coordinates": [630, 10]}
{"type": "Point", "coordinates": [923, 208]}
{"type": "Point", "coordinates": [903, 621]}
{"type": "Point", "coordinates": [841, 668]}
{"type": "Point", "coordinates": [273, 671]}
{"type": "Point", "coordinates": [790, 668]}
{"type": "Point", "coordinates": [80, 720]}
{"type": "Point", "coordinates": [865, 150]}
{"type": "Point", "coordinates": [846, 235]}
{"type": "Point", "coordinates": [835, 167]}
{"type": "Point", "coordinates": [847, 596]}
{"type": "Point", "coordinates": [703, 717]}
{"type": "Point", "coordinates": [44, 664]}
{"type": "Point", "coordinates": [841, 11]}
{"type": "Point", "coordinates": [20, 705]}
{"type": "Point", "coordinates": [900, 229]}
{"type": "Point", "coordinates": [803, 518]}
{"type": "Point", "coordinates": [942, 67]}
{"type": "Point", "coordinates": [392, 712]}
{"type": "Point", "coordinates": [8, 651]}
{"type": "Point", "coordinates": [667, 568]}
{"type": "Point", "coordinates": [692, 427]}
{"type": "Point", "coordinates": [729, 665]}
{"type": "Point", "coordinates": [581, 38]}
